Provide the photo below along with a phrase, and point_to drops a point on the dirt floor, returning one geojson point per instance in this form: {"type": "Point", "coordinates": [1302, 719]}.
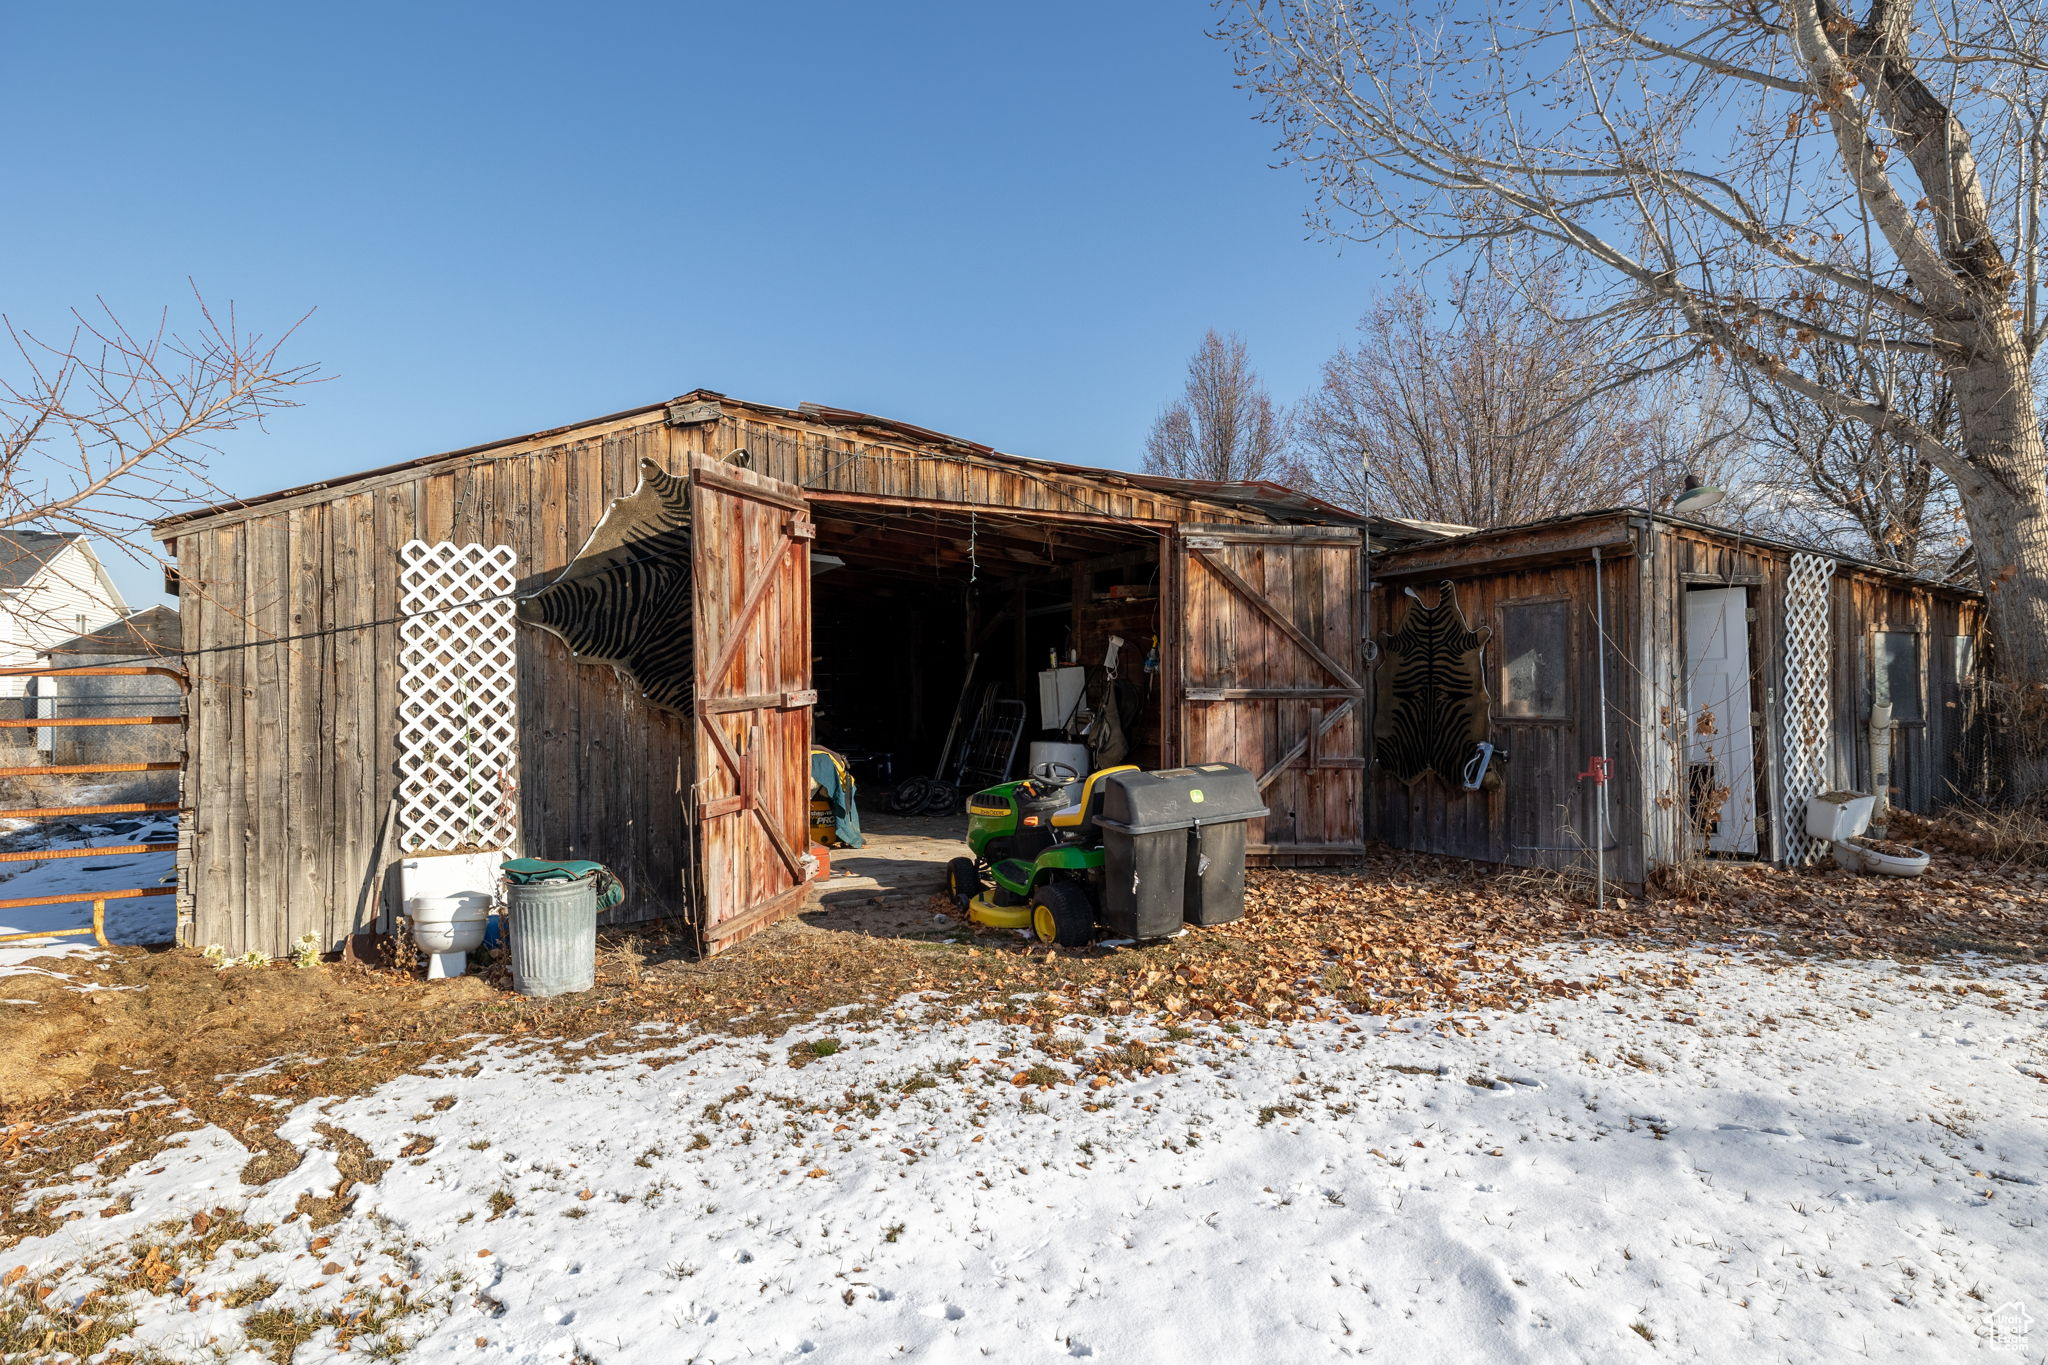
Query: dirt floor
{"type": "Point", "coordinates": [1399, 936]}
{"type": "Point", "coordinates": [902, 859]}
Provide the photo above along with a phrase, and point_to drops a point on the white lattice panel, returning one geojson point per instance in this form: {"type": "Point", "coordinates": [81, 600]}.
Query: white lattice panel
{"type": "Point", "coordinates": [458, 713]}
{"type": "Point", "coordinates": [1807, 704]}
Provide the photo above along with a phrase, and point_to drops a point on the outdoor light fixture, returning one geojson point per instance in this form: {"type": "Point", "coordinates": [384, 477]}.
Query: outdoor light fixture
{"type": "Point", "coordinates": [1697, 496]}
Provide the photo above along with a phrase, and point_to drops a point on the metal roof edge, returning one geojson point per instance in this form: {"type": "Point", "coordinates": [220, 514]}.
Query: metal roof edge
{"type": "Point", "coordinates": [1711, 528]}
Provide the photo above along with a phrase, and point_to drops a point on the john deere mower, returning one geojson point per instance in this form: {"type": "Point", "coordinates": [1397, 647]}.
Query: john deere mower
{"type": "Point", "coordinates": [1042, 853]}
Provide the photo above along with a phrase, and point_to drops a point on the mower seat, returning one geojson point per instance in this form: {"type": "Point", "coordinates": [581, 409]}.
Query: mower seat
{"type": "Point", "coordinates": [1083, 812]}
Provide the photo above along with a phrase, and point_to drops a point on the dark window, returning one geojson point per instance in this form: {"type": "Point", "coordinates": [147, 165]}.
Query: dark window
{"type": "Point", "coordinates": [1896, 656]}
{"type": "Point", "coordinates": [1534, 638]}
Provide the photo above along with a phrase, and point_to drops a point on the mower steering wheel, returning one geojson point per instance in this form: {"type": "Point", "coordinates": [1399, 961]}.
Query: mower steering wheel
{"type": "Point", "coordinates": [1056, 772]}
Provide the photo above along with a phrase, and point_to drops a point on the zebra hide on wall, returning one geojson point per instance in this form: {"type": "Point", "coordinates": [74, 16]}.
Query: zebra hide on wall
{"type": "Point", "coordinates": [625, 599]}
{"type": "Point", "coordinates": [1430, 687]}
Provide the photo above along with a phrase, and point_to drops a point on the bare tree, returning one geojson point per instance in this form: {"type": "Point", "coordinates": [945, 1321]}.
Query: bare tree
{"type": "Point", "coordinates": [1747, 180]}
{"type": "Point", "coordinates": [1489, 413]}
{"type": "Point", "coordinates": [1854, 487]}
{"type": "Point", "coordinates": [1224, 425]}
{"type": "Point", "coordinates": [105, 428]}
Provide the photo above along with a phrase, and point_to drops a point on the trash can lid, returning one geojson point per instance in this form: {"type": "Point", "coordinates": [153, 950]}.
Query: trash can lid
{"type": "Point", "coordinates": [1180, 798]}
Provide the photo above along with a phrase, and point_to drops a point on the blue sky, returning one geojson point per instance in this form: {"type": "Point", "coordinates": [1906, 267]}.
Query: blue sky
{"type": "Point", "coordinates": [1009, 222]}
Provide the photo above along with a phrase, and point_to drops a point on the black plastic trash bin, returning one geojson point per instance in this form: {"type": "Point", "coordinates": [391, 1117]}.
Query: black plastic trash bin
{"type": "Point", "coordinates": [1173, 848]}
{"type": "Point", "coordinates": [1224, 798]}
{"type": "Point", "coordinates": [1144, 824]}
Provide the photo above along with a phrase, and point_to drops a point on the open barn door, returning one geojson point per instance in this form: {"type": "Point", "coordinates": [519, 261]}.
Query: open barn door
{"type": "Point", "coordinates": [751, 560]}
{"type": "Point", "coordinates": [1272, 676]}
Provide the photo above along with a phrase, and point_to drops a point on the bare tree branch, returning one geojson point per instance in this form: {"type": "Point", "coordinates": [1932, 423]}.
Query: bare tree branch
{"type": "Point", "coordinates": [105, 428]}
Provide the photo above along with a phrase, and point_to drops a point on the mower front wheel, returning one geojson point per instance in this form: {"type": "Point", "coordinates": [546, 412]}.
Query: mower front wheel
{"type": "Point", "coordinates": [963, 880]}
{"type": "Point", "coordinates": [1063, 913]}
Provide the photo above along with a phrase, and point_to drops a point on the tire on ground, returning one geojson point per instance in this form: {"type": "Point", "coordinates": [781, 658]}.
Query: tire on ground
{"type": "Point", "coordinates": [1063, 913]}
{"type": "Point", "coordinates": [963, 879]}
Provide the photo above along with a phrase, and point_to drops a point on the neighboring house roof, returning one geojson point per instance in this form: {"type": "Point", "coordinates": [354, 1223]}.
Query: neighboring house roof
{"type": "Point", "coordinates": [153, 630]}
{"type": "Point", "coordinates": [24, 554]}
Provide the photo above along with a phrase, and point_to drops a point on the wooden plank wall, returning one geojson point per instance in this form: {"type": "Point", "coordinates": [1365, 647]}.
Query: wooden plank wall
{"type": "Point", "coordinates": [1249, 693]}
{"type": "Point", "coordinates": [1862, 602]}
{"type": "Point", "coordinates": [1541, 814]}
{"type": "Point", "coordinates": [1929, 767]}
{"type": "Point", "coordinates": [294, 761]}
{"type": "Point", "coordinates": [1646, 613]}
{"type": "Point", "coordinates": [293, 753]}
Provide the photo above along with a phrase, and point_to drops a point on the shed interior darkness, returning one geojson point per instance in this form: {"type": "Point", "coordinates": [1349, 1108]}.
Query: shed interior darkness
{"type": "Point", "coordinates": [904, 597]}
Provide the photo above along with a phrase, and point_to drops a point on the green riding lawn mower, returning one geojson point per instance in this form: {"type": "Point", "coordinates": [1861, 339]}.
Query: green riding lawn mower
{"type": "Point", "coordinates": [1042, 850]}
{"type": "Point", "coordinates": [1139, 853]}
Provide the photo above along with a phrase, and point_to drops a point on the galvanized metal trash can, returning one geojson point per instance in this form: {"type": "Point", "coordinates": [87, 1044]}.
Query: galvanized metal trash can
{"type": "Point", "coordinates": [554, 935]}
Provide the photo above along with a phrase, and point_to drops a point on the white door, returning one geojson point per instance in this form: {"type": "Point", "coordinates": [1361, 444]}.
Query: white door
{"type": "Point", "coordinates": [1720, 750]}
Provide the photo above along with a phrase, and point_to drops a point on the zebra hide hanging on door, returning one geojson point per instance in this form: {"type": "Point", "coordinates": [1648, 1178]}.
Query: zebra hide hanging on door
{"type": "Point", "coordinates": [1432, 708]}
{"type": "Point", "coordinates": [625, 599]}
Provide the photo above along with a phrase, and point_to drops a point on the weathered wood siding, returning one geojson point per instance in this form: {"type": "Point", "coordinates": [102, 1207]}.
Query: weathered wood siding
{"type": "Point", "coordinates": [1650, 564]}
{"type": "Point", "coordinates": [289, 605]}
{"type": "Point", "coordinates": [293, 763]}
{"type": "Point", "coordinates": [1541, 813]}
{"type": "Point", "coordinates": [1267, 630]}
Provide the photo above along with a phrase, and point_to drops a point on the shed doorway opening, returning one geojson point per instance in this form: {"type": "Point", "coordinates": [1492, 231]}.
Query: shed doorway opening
{"type": "Point", "coordinates": [947, 642]}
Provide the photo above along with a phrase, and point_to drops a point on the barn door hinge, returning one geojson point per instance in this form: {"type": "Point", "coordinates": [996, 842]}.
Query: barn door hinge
{"type": "Point", "coordinates": [1203, 543]}
{"type": "Point", "coordinates": [1749, 614]}
{"type": "Point", "coordinates": [802, 528]}
{"type": "Point", "coordinates": [792, 700]}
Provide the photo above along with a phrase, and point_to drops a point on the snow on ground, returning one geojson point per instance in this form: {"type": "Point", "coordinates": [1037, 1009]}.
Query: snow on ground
{"type": "Point", "coordinates": [1790, 1161]}
{"type": "Point", "coordinates": [151, 919]}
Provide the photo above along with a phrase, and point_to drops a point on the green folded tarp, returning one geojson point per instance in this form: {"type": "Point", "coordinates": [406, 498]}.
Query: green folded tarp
{"type": "Point", "coordinates": [610, 890]}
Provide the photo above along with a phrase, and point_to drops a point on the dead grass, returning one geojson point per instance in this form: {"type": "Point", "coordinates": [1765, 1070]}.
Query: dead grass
{"type": "Point", "coordinates": [172, 1261]}
{"type": "Point", "coordinates": [37, 1325]}
{"type": "Point", "coordinates": [2015, 836]}
{"type": "Point", "coordinates": [1401, 935]}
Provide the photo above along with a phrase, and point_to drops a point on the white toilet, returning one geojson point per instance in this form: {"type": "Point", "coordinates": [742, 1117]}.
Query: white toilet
{"type": "Point", "coordinates": [447, 929]}
{"type": "Point", "coordinates": [448, 903]}
{"type": "Point", "coordinates": [1839, 817]}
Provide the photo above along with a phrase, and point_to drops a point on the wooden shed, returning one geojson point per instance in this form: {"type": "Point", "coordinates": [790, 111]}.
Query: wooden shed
{"type": "Point", "coordinates": [1709, 680]}
{"type": "Point", "coordinates": [616, 641]}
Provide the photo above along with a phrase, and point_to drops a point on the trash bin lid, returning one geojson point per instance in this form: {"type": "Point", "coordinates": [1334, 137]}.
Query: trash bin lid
{"type": "Point", "coordinates": [1180, 798]}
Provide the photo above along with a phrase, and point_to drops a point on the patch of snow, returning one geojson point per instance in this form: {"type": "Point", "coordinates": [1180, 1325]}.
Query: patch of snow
{"type": "Point", "coordinates": [1762, 1166]}
{"type": "Point", "coordinates": [142, 920]}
